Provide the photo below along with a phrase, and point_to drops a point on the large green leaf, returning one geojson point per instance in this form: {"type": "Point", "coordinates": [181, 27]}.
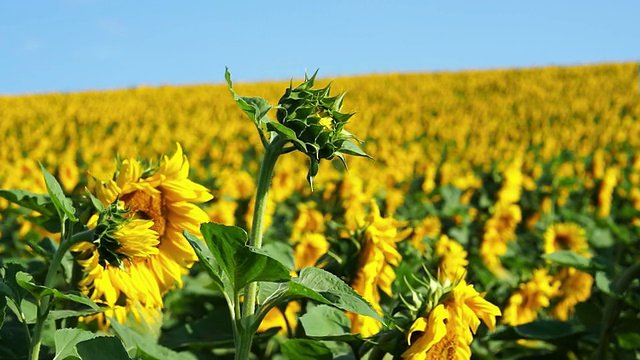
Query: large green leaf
{"type": "Point", "coordinates": [102, 348]}
{"type": "Point", "coordinates": [38, 202]}
{"type": "Point", "coordinates": [572, 259]}
{"type": "Point", "coordinates": [335, 290]}
{"type": "Point", "coordinates": [60, 201]}
{"type": "Point", "coordinates": [66, 340]}
{"type": "Point", "coordinates": [305, 349]}
{"type": "Point", "coordinates": [206, 259]}
{"type": "Point", "coordinates": [142, 347]}
{"type": "Point", "coordinates": [326, 322]}
{"type": "Point", "coordinates": [239, 262]}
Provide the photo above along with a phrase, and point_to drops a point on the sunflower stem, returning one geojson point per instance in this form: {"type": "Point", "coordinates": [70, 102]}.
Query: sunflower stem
{"type": "Point", "coordinates": [272, 152]}
{"type": "Point", "coordinates": [612, 309]}
{"type": "Point", "coordinates": [45, 304]}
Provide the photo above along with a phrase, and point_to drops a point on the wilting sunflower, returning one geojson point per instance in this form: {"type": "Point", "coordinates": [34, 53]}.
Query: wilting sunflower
{"type": "Point", "coordinates": [446, 332]}
{"type": "Point", "coordinates": [145, 255]}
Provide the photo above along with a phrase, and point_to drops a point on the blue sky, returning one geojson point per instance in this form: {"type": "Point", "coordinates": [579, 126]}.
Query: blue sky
{"type": "Point", "coordinates": [75, 45]}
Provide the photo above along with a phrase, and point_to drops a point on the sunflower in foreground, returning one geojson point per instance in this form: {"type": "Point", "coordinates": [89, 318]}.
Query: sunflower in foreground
{"type": "Point", "coordinates": [138, 253]}
{"type": "Point", "coordinates": [446, 331]}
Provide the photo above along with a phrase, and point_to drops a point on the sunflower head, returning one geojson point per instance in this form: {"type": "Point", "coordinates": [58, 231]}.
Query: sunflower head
{"type": "Point", "coordinates": [318, 123]}
{"type": "Point", "coordinates": [118, 236]}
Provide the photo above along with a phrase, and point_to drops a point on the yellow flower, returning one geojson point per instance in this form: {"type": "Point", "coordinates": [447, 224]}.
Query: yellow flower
{"type": "Point", "coordinates": [453, 257]}
{"type": "Point", "coordinates": [378, 256]}
{"type": "Point", "coordinates": [309, 249]}
{"type": "Point", "coordinates": [576, 287]}
{"type": "Point", "coordinates": [566, 236]}
{"type": "Point", "coordinates": [275, 318]}
{"type": "Point", "coordinates": [531, 297]}
{"type": "Point", "coordinates": [430, 226]}
{"type": "Point", "coordinates": [447, 331]}
{"type": "Point", "coordinates": [152, 255]}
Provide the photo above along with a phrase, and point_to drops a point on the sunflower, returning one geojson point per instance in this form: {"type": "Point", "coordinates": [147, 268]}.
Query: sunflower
{"type": "Point", "coordinates": [376, 261]}
{"type": "Point", "coordinates": [447, 331]}
{"type": "Point", "coordinates": [576, 288]}
{"type": "Point", "coordinates": [566, 236]}
{"type": "Point", "coordinates": [144, 257]}
{"type": "Point", "coordinates": [531, 297]}
{"type": "Point", "coordinates": [453, 257]}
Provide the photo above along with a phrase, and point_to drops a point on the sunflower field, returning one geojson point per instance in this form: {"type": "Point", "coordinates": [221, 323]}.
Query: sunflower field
{"type": "Point", "coordinates": [485, 214]}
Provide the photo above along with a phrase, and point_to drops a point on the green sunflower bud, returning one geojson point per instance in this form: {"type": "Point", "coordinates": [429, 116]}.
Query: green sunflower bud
{"type": "Point", "coordinates": [318, 124]}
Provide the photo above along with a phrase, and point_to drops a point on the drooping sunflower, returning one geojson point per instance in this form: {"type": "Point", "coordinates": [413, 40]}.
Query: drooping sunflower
{"type": "Point", "coordinates": [531, 297]}
{"type": "Point", "coordinates": [146, 255]}
{"type": "Point", "coordinates": [446, 332]}
{"type": "Point", "coordinates": [378, 256]}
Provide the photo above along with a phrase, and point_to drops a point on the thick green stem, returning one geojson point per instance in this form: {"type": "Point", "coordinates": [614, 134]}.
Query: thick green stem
{"type": "Point", "coordinates": [272, 152]}
{"type": "Point", "coordinates": [44, 305]}
{"type": "Point", "coordinates": [612, 309]}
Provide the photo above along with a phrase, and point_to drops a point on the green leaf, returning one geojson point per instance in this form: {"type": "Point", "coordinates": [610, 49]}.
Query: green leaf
{"type": "Point", "coordinates": [65, 342]}
{"type": "Point", "coordinates": [349, 147]}
{"type": "Point", "coordinates": [255, 107]}
{"type": "Point", "coordinates": [304, 349]}
{"type": "Point", "coordinates": [60, 201]}
{"type": "Point", "coordinates": [9, 286]}
{"type": "Point", "coordinates": [601, 238]}
{"type": "Point", "coordinates": [102, 348]}
{"type": "Point", "coordinates": [547, 330]}
{"type": "Point", "coordinates": [629, 340]}
{"type": "Point", "coordinates": [206, 259]}
{"type": "Point", "coordinates": [571, 259]}
{"type": "Point", "coordinates": [25, 280]}
{"type": "Point", "coordinates": [38, 202]}
{"type": "Point", "coordinates": [280, 251]}
{"type": "Point", "coordinates": [141, 347]}
{"type": "Point", "coordinates": [3, 306]}
{"type": "Point", "coordinates": [97, 204]}
{"type": "Point", "coordinates": [324, 322]}
{"type": "Point", "coordinates": [200, 331]}
{"type": "Point", "coordinates": [67, 313]}
{"type": "Point", "coordinates": [242, 264]}
{"type": "Point", "coordinates": [335, 290]}
{"type": "Point", "coordinates": [605, 284]}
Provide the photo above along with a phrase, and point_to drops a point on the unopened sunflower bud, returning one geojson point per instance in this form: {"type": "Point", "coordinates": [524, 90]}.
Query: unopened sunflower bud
{"type": "Point", "coordinates": [315, 118]}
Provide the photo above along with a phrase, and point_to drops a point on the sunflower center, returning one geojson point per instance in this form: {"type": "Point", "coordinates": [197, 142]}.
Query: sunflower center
{"type": "Point", "coordinates": [563, 241]}
{"type": "Point", "coordinates": [148, 207]}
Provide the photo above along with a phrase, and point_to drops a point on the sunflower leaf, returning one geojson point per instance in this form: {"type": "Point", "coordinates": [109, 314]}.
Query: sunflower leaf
{"type": "Point", "coordinates": [25, 280]}
{"type": "Point", "coordinates": [102, 347]}
{"type": "Point", "coordinates": [305, 349]}
{"type": "Point", "coordinates": [326, 323]}
{"type": "Point", "coordinates": [206, 259]}
{"type": "Point", "coordinates": [61, 202]}
{"type": "Point", "coordinates": [335, 290]}
{"type": "Point", "coordinates": [242, 264]}
{"type": "Point", "coordinates": [66, 340]}
{"type": "Point", "coordinates": [255, 107]}
{"type": "Point", "coordinates": [573, 259]}
{"type": "Point", "coordinates": [39, 202]}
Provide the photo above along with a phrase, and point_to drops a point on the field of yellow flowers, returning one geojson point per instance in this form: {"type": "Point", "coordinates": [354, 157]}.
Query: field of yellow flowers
{"type": "Point", "coordinates": [509, 196]}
